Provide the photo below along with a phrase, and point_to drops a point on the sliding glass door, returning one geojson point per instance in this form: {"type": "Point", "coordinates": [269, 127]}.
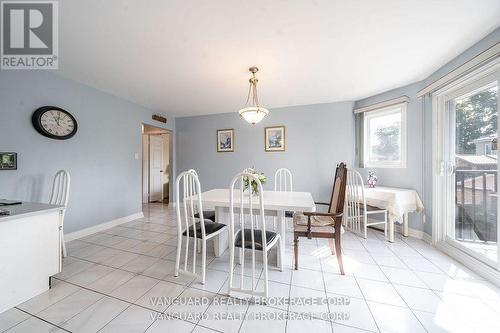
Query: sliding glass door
{"type": "Point", "coordinates": [470, 168]}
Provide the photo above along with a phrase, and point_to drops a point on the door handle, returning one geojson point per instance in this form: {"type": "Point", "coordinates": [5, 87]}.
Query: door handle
{"type": "Point", "coordinates": [161, 170]}
{"type": "Point", "coordinates": [451, 168]}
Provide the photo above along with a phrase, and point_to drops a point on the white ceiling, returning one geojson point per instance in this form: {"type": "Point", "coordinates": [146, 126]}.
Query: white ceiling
{"type": "Point", "coordinates": [188, 57]}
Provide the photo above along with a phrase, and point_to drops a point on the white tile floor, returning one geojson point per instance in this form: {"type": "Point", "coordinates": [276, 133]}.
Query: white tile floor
{"type": "Point", "coordinates": [110, 278]}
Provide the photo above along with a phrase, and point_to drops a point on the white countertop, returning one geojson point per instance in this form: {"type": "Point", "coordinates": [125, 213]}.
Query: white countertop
{"type": "Point", "coordinates": [27, 209]}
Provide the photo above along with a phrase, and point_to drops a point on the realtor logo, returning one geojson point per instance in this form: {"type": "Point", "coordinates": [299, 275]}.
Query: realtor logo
{"type": "Point", "coordinates": [29, 35]}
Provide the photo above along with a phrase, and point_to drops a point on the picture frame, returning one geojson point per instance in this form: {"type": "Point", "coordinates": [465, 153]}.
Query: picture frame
{"type": "Point", "coordinates": [8, 161]}
{"type": "Point", "coordinates": [225, 140]}
{"type": "Point", "coordinates": [274, 138]}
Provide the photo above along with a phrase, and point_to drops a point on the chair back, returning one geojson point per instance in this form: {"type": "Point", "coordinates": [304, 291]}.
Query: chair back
{"type": "Point", "coordinates": [338, 191]}
{"type": "Point", "coordinates": [283, 180]}
{"type": "Point", "coordinates": [186, 210]}
{"type": "Point", "coordinates": [250, 214]}
{"type": "Point", "coordinates": [356, 202]}
{"type": "Point", "coordinates": [60, 189]}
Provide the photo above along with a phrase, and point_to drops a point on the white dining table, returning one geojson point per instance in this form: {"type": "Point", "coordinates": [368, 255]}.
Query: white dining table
{"type": "Point", "coordinates": [398, 202]}
{"type": "Point", "coordinates": [275, 205]}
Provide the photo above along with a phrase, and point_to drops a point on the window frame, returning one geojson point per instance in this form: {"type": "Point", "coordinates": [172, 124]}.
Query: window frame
{"type": "Point", "coordinates": [380, 112]}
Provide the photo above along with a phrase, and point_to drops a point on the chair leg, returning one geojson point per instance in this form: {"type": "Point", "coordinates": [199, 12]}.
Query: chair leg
{"type": "Point", "coordinates": [231, 266]}
{"type": "Point", "coordinates": [178, 256]}
{"type": "Point", "coordinates": [332, 246]}
{"type": "Point", "coordinates": [63, 245]}
{"type": "Point", "coordinates": [199, 246]}
{"type": "Point", "coordinates": [280, 250]}
{"type": "Point", "coordinates": [203, 260]}
{"type": "Point", "coordinates": [385, 225]}
{"type": "Point", "coordinates": [296, 251]}
{"type": "Point", "coordinates": [365, 226]}
{"type": "Point", "coordinates": [338, 251]}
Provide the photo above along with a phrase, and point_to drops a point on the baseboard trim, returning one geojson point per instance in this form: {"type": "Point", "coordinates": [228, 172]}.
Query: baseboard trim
{"type": "Point", "coordinates": [427, 238]}
{"type": "Point", "coordinates": [103, 226]}
{"type": "Point", "coordinates": [419, 234]}
{"type": "Point", "coordinates": [472, 263]}
{"type": "Point", "coordinates": [414, 233]}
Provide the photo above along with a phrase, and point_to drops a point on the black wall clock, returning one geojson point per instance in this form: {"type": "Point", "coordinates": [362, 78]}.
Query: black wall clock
{"type": "Point", "coordinates": [54, 122]}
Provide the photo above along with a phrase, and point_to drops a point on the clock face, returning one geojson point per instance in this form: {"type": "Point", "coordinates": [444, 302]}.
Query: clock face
{"type": "Point", "coordinates": [54, 123]}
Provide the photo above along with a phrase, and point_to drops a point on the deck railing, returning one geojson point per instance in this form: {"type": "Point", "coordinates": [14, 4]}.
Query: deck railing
{"type": "Point", "coordinates": [476, 195]}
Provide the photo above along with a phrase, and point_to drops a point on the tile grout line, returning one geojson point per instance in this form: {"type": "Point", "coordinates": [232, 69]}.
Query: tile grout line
{"type": "Point", "coordinates": [392, 285]}
{"type": "Point", "coordinates": [191, 284]}
{"type": "Point", "coordinates": [363, 294]}
{"type": "Point", "coordinates": [33, 315]}
{"type": "Point", "coordinates": [130, 304]}
{"type": "Point", "coordinates": [324, 289]}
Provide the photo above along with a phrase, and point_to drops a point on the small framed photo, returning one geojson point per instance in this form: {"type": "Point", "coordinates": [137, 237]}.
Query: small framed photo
{"type": "Point", "coordinates": [275, 138]}
{"type": "Point", "coordinates": [225, 140]}
{"type": "Point", "coordinates": [8, 161]}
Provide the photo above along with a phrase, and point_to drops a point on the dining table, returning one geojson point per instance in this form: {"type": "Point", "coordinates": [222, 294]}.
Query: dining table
{"type": "Point", "coordinates": [397, 201]}
{"type": "Point", "coordinates": [276, 203]}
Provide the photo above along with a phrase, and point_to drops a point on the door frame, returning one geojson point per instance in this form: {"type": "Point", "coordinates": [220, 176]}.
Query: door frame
{"type": "Point", "coordinates": [145, 150]}
{"type": "Point", "coordinates": [440, 182]}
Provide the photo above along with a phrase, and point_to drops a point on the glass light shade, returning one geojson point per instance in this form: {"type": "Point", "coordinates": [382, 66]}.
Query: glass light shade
{"type": "Point", "coordinates": [253, 114]}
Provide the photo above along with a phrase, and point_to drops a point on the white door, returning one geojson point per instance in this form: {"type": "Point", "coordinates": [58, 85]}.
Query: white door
{"type": "Point", "coordinates": [469, 168]}
{"type": "Point", "coordinates": [145, 168]}
{"type": "Point", "coordinates": [155, 168]}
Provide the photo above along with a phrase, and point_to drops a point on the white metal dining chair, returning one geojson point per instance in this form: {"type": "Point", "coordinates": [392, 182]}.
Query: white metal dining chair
{"type": "Point", "coordinates": [60, 197]}
{"type": "Point", "coordinates": [357, 212]}
{"type": "Point", "coordinates": [207, 214]}
{"type": "Point", "coordinates": [190, 227]}
{"type": "Point", "coordinates": [283, 182]}
{"type": "Point", "coordinates": [248, 237]}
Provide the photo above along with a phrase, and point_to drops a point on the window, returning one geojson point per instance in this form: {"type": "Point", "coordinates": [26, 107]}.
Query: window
{"type": "Point", "coordinates": [384, 133]}
{"type": "Point", "coordinates": [487, 149]}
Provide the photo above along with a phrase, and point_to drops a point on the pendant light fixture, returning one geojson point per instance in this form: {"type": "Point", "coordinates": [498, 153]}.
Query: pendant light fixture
{"type": "Point", "coordinates": [254, 112]}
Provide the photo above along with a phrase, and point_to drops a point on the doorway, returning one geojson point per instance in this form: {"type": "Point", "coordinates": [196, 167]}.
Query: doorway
{"type": "Point", "coordinates": [467, 174]}
{"type": "Point", "coordinates": [156, 164]}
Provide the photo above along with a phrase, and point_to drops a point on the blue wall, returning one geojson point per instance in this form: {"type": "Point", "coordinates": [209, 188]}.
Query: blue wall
{"type": "Point", "coordinates": [105, 176]}
{"type": "Point", "coordinates": [106, 179]}
{"type": "Point", "coordinates": [418, 174]}
{"type": "Point", "coordinates": [317, 138]}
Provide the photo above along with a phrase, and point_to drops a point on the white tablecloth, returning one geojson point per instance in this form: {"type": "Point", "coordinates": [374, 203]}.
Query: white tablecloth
{"type": "Point", "coordinates": [397, 201]}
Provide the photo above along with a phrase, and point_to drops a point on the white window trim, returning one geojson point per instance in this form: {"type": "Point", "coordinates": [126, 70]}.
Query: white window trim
{"type": "Point", "coordinates": [380, 112]}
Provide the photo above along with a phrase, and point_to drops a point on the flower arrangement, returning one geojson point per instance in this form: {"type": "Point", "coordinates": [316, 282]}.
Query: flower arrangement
{"type": "Point", "coordinates": [253, 183]}
{"type": "Point", "coordinates": [372, 179]}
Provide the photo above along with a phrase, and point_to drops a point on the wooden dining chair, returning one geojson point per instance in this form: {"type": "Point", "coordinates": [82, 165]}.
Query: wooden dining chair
{"type": "Point", "coordinates": [60, 197]}
{"type": "Point", "coordinates": [191, 227]}
{"type": "Point", "coordinates": [249, 235]}
{"type": "Point", "coordinates": [356, 210]}
{"type": "Point", "coordinates": [324, 225]}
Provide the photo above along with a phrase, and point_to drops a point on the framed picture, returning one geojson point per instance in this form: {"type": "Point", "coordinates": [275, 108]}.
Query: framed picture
{"type": "Point", "coordinates": [275, 138]}
{"type": "Point", "coordinates": [8, 161]}
{"type": "Point", "coordinates": [225, 140]}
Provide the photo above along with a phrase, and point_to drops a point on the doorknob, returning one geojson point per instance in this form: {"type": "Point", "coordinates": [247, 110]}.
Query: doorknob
{"type": "Point", "coordinates": [161, 170]}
